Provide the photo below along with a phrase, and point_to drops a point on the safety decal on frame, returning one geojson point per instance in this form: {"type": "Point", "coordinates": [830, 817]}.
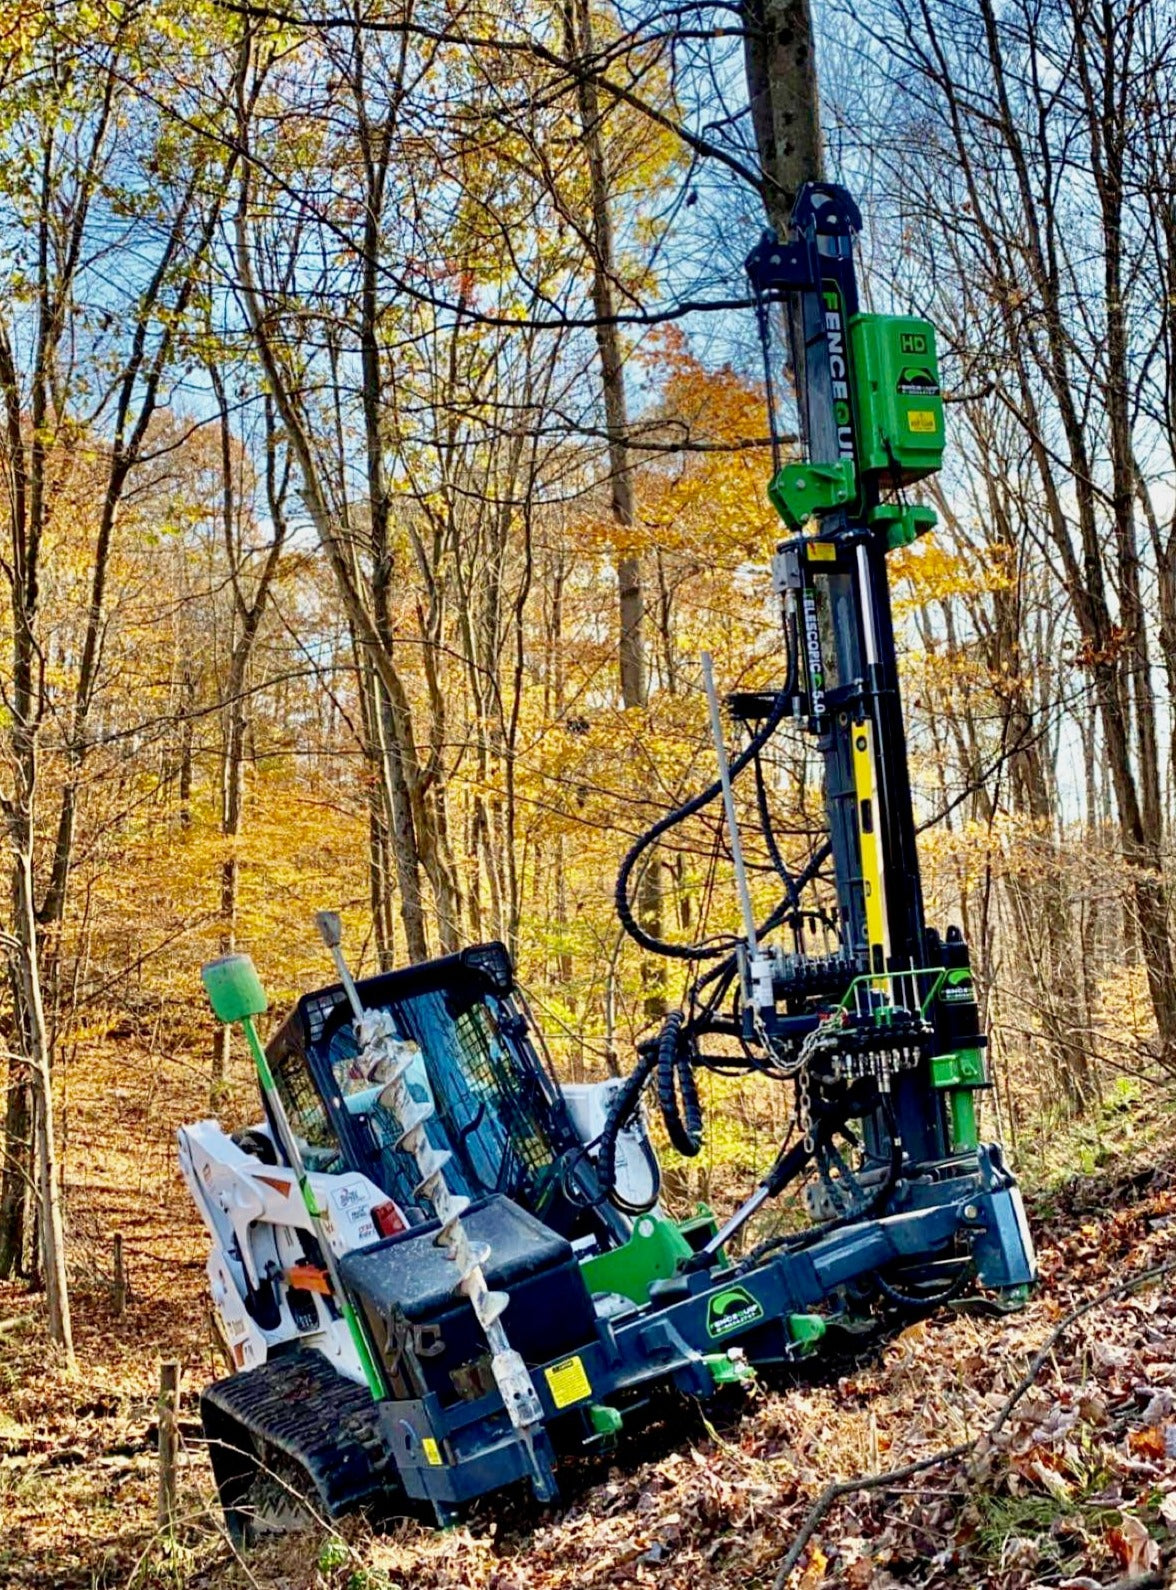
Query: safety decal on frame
{"type": "Point", "coordinates": [568, 1382]}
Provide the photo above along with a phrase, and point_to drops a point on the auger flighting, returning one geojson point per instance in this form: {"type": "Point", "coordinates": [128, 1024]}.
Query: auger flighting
{"type": "Point", "coordinates": [388, 1058]}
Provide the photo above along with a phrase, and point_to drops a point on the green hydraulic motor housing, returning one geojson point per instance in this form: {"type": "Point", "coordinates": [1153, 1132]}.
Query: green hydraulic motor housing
{"type": "Point", "coordinates": [898, 433]}
{"type": "Point", "coordinates": [900, 405]}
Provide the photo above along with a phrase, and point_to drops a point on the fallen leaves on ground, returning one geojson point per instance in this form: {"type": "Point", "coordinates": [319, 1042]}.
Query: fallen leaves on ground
{"type": "Point", "coordinates": [1078, 1488]}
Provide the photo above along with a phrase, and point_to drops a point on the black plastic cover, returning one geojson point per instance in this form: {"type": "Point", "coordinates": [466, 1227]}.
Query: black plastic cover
{"type": "Point", "coordinates": [406, 1288]}
{"type": "Point", "coordinates": [411, 1273]}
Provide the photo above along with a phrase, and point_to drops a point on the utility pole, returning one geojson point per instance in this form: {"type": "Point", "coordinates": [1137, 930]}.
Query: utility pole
{"type": "Point", "coordinates": [780, 60]}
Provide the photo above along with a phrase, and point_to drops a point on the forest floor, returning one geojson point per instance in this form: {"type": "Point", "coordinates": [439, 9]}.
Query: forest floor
{"type": "Point", "coordinates": [1074, 1486]}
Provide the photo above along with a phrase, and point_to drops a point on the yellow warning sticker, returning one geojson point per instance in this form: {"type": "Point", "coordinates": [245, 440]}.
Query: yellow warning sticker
{"type": "Point", "coordinates": [568, 1382]}
{"type": "Point", "coordinates": [922, 421]}
{"type": "Point", "coordinates": [822, 552]}
{"type": "Point", "coordinates": [432, 1451]}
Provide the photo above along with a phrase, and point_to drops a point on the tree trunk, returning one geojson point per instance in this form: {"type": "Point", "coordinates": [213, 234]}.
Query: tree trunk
{"type": "Point", "coordinates": [187, 702]}
{"type": "Point", "coordinates": [232, 801]}
{"type": "Point", "coordinates": [379, 857]}
{"type": "Point", "coordinates": [36, 1031]}
{"type": "Point", "coordinates": [248, 613]}
{"type": "Point", "coordinates": [18, 1171]}
{"type": "Point", "coordinates": [26, 707]}
{"type": "Point", "coordinates": [780, 60]}
{"type": "Point", "coordinates": [631, 648]}
{"type": "Point", "coordinates": [404, 829]}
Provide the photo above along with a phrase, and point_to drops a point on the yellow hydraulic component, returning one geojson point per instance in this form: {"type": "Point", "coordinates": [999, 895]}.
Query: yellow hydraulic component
{"type": "Point", "coordinates": [865, 781]}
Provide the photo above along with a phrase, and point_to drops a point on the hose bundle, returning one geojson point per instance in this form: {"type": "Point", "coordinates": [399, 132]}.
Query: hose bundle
{"type": "Point", "coordinates": [673, 1054]}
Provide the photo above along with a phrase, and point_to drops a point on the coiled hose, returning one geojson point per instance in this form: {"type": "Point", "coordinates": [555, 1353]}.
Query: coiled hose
{"type": "Point", "coordinates": [670, 1058]}
{"type": "Point", "coordinates": [675, 1079]}
{"type": "Point", "coordinates": [625, 1101]}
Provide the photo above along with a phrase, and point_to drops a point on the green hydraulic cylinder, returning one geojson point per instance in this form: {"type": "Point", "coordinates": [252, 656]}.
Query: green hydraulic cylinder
{"type": "Point", "coordinates": [960, 1075]}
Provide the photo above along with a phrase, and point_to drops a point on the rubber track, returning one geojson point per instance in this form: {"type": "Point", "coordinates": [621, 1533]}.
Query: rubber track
{"type": "Point", "coordinates": [299, 1404]}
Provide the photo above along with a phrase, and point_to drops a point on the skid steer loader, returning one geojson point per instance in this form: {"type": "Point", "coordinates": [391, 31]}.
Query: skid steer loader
{"type": "Point", "coordinates": [436, 1269]}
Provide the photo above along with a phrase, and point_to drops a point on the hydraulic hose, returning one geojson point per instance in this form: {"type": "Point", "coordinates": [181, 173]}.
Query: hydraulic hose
{"type": "Point", "coordinates": [769, 833]}
{"type": "Point", "coordinates": [671, 1059]}
{"type": "Point", "coordinates": [772, 920]}
{"type": "Point", "coordinates": [625, 1101]}
{"type": "Point", "coordinates": [675, 1076]}
{"type": "Point", "coordinates": [698, 952]}
{"type": "Point", "coordinates": [927, 1301]}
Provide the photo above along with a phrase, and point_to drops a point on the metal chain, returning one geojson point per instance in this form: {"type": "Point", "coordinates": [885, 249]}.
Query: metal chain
{"type": "Point", "coordinates": [804, 1109]}
{"type": "Point", "coordinates": [825, 1030]}
{"type": "Point", "coordinates": [786, 1066]}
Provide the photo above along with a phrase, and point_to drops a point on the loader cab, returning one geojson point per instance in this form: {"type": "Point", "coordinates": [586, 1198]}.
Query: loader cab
{"type": "Point", "coordinates": [497, 1112]}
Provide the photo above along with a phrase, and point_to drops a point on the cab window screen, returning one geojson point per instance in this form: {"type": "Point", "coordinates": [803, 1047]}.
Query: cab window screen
{"type": "Point", "coordinates": [494, 1076]}
{"type": "Point", "coordinates": [487, 1105]}
{"type": "Point", "coordinates": [488, 1114]}
{"type": "Point", "coordinates": [307, 1114]}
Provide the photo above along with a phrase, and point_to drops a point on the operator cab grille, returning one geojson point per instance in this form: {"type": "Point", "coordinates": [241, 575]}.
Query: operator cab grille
{"type": "Point", "coordinates": [495, 1110]}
